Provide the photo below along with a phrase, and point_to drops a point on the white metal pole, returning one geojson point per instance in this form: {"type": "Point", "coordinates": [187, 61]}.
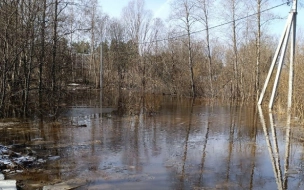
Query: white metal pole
{"type": "Point", "coordinates": [276, 81]}
{"type": "Point", "coordinates": [100, 78]}
{"type": "Point", "coordinates": [73, 78]}
{"type": "Point", "coordinates": [82, 73]}
{"type": "Point", "coordinates": [292, 54]}
{"type": "Point", "coordinates": [274, 60]}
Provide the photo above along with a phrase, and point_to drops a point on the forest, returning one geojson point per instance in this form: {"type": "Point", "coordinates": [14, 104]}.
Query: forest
{"type": "Point", "coordinates": [217, 50]}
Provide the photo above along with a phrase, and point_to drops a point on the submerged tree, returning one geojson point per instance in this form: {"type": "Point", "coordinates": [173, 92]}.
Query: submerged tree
{"type": "Point", "coordinates": [137, 25]}
{"type": "Point", "coordinates": [183, 15]}
{"type": "Point", "coordinates": [204, 7]}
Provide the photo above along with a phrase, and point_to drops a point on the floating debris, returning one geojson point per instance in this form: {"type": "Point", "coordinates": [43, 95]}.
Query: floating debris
{"type": "Point", "coordinates": [15, 161]}
{"type": "Point", "coordinates": [52, 158]}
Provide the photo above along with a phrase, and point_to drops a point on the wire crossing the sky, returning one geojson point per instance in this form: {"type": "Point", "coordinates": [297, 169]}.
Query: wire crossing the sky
{"type": "Point", "coordinates": [212, 27]}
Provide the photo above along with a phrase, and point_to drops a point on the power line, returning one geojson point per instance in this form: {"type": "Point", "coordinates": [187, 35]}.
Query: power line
{"type": "Point", "coordinates": [212, 27]}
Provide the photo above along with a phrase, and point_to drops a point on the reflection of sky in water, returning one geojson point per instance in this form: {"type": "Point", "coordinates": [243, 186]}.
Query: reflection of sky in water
{"type": "Point", "coordinates": [217, 147]}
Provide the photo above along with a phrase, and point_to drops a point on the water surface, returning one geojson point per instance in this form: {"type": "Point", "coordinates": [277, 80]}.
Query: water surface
{"type": "Point", "coordinates": [183, 144]}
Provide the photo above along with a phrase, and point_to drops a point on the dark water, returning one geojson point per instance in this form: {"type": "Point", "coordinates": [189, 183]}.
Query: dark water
{"type": "Point", "coordinates": [181, 145]}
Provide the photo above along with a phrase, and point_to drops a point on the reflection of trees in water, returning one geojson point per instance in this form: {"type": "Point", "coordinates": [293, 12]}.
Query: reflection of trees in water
{"type": "Point", "coordinates": [188, 129]}
{"type": "Point", "coordinates": [18, 108]}
{"type": "Point", "coordinates": [172, 132]}
{"type": "Point", "coordinates": [185, 136]}
{"type": "Point", "coordinates": [127, 102]}
{"type": "Point", "coordinates": [233, 115]}
{"type": "Point", "coordinates": [131, 152]}
{"type": "Point", "coordinates": [131, 103]}
{"type": "Point", "coordinates": [204, 153]}
{"type": "Point", "coordinates": [231, 167]}
{"type": "Point", "coordinates": [156, 144]}
{"type": "Point", "coordinates": [287, 151]}
{"type": "Point", "coordinates": [282, 181]}
{"type": "Point", "coordinates": [253, 137]}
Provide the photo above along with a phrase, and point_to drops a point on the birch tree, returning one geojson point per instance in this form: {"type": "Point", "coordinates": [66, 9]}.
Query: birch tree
{"type": "Point", "coordinates": [96, 22]}
{"type": "Point", "coordinates": [183, 16]}
{"type": "Point", "coordinates": [233, 12]}
{"type": "Point", "coordinates": [260, 21]}
{"type": "Point", "coordinates": [204, 10]}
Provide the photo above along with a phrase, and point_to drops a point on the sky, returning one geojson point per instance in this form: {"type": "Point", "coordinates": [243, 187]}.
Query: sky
{"type": "Point", "coordinates": [283, 11]}
{"type": "Point", "coordinates": [161, 9]}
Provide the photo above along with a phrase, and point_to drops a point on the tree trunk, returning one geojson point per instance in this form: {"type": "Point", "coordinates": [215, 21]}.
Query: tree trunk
{"type": "Point", "coordinates": [209, 56]}
{"type": "Point", "coordinates": [258, 51]}
{"type": "Point", "coordinates": [190, 62]}
{"type": "Point", "coordinates": [42, 52]}
{"type": "Point", "coordinates": [3, 94]}
{"type": "Point", "coordinates": [235, 62]}
{"type": "Point", "coordinates": [54, 49]}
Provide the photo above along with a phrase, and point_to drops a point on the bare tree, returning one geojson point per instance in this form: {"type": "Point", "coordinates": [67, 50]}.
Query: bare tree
{"type": "Point", "coordinates": [258, 34]}
{"type": "Point", "coordinates": [183, 16]}
{"type": "Point", "coordinates": [116, 33]}
{"type": "Point", "coordinates": [96, 22]}
{"type": "Point", "coordinates": [156, 47]}
{"type": "Point", "coordinates": [204, 7]}
{"type": "Point", "coordinates": [137, 20]}
{"type": "Point", "coordinates": [137, 25]}
{"type": "Point", "coordinates": [258, 49]}
{"type": "Point", "coordinates": [232, 13]}
{"type": "Point", "coordinates": [55, 39]}
{"type": "Point", "coordinates": [42, 52]}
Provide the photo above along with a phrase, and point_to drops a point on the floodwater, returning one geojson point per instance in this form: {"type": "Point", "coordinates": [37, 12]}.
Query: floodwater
{"type": "Point", "coordinates": [183, 144]}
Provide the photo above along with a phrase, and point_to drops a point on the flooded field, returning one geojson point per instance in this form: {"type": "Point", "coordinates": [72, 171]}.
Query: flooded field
{"type": "Point", "coordinates": [183, 144]}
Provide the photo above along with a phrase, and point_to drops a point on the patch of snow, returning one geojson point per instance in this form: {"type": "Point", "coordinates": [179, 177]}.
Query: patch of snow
{"type": "Point", "coordinates": [8, 185]}
{"type": "Point", "coordinates": [1, 176]}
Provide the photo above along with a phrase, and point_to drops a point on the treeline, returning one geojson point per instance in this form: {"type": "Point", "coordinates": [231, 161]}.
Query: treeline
{"type": "Point", "coordinates": [47, 44]}
{"type": "Point", "coordinates": [34, 54]}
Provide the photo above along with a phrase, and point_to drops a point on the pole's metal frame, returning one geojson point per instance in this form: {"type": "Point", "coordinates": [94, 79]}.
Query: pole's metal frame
{"type": "Point", "coordinates": [290, 27]}
{"type": "Point", "coordinates": [280, 65]}
{"type": "Point", "coordinates": [292, 54]}
{"type": "Point", "coordinates": [273, 151]}
{"type": "Point", "coordinates": [274, 62]}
